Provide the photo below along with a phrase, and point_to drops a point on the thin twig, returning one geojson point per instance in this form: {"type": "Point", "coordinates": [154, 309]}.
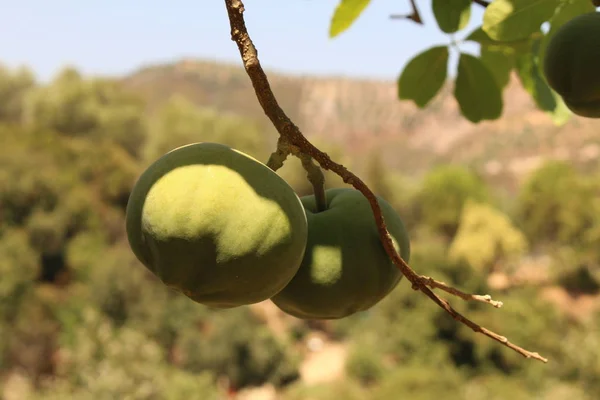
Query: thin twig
{"type": "Point", "coordinates": [482, 3]}
{"type": "Point", "coordinates": [486, 298]}
{"type": "Point", "coordinates": [291, 133]}
{"type": "Point", "coordinates": [313, 172]}
{"type": "Point", "coordinates": [413, 16]}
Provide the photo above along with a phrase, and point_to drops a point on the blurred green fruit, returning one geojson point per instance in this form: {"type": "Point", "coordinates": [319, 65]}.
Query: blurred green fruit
{"type": "Point", "coordinates": [571, 64]}
{"type": "Point", "coordinates": [216, 225]}
{"type": "Point", "coordinates": [345, 267]}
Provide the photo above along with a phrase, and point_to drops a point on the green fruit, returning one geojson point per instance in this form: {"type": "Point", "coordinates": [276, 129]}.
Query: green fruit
{"type": "Point", "coordinates": [216, 225]}
{"type": "Point", "coordinates": [571, 64]}
{"type": "Point", "coordinates": [345, 268]}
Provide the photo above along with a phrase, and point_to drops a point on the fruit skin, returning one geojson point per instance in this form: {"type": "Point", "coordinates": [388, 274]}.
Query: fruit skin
{"type": "Point", "coordinates": [216, 225]}
{"type": "Point", "coordinates": [571, 64]}
{"type": "Point", "coordinates": [345, 268]}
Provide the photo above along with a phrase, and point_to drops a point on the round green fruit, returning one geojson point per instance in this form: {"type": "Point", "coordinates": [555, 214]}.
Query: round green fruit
{"type": "Point", "coordinates": [572, 62]}
{"type": "Point", "coordinates": [216, 225]}
{"type": "Point", "coordinates": [345, 268]}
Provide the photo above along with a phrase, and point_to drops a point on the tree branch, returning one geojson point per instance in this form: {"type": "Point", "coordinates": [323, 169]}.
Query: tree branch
{"type": "Point", "coordinates": [293, 136]}
{"type": "Point", "coordinates": [317, 179]}
{"type": "Point", "coordinates": [414, 15]}
{"type": "Point", "coordinates": [482, 3]}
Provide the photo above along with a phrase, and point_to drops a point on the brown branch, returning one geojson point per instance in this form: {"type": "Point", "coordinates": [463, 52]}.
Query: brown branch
{"type": "Point", "coordinates": [432, 283]}
{"type": "Point", "coordinates": [482, 3]}
{"type": "Point", "coordinates": [414, 15]}
{"type": "Point", "coordinates": [291, 133]}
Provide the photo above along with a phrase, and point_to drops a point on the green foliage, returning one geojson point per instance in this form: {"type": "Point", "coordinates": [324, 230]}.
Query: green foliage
{"type": "Point", "coordinates": [180, 122]}
{"type": "Point", "coordinates": [509, 20]}
{"type": "Point", "coordinates": [13, 87]}
{"type": "Point", "coordinates": [424, 76]}
{"type": "Point", "coordinates": [79, 107]}
{"type": "Point", "coordinates": [236, 345]}
{"type": "Point", "coordinates": [556, 204]}
{"type": "Point", "coordinates": [485, 236]}
{"type": "Point", "coordinates": [101, 362]}
{"type": "Point", "coordinates": [345, 14]}
{"type": "Point", "coordinates": [329, 391]}
{"type": "Point", "coordinates": [451, 15]}
{"type": "Point", "coordinates": [510, 39]}
{"type": "Point", "coordinates": [365, 364]}
{"type": "Point", "coordinates": [528, 67]}
{"type": "Point", "coordinates": [18, 265]}
{"type": "Point", "coordinates": [478, 95]}
{"type": "Point", "coordinates": [500, 61]}
{"type": "Point", "coordinates": [443, 194]}
{"type": "Point", "coordinates": [420, 382]}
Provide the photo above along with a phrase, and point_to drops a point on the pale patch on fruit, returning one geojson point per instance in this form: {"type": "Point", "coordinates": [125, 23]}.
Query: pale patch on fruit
{"type": "Point", "coordinates": [198, 201]}
{"type": "Point", "coordinates": [331, 257]}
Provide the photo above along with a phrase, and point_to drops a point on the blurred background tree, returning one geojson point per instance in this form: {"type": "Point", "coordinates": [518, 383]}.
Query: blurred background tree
{"type": "Point", "coordinates": [80, 317]}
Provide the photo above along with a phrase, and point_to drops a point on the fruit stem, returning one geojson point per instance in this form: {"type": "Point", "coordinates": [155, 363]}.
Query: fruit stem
{"type": "Point", "coordinates": [317, 179]}
{"type": "Point", "coordinates": [280, 154]}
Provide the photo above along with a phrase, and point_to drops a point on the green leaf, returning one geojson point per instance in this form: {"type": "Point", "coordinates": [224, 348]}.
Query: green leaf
{"type": "Point", "coordinates": [345, 14]}
{"type": "Point", "coordinates": [500, 61]}
{"type": "Point", "coordinates": [523, 45]}
{"type": "Point", "coordinates": [479, 36]}
{"type": "Point", "coordinates": [452, 15]}
{"type": "Point", "coordinates": [529, 72]}
{"type": "Point", "coordinates": [533, 82]}
{"type": "Point", "coordinates": [424, 76]}
{"type": "Point", "coordinates": [476, 90]}
{"type": "Point", "coordinates": [568, 10]}
{"type": "Point", "coordinates": [561, 114]}
{"type": "Point", "coordinates": [508, 20]}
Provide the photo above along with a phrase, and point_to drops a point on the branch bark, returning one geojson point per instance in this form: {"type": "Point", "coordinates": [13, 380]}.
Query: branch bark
{"type": "Point", "coordinates": [414, 16]}
{"type": "Point", "coordinates": [292, 135]}
{"type": "Point", "coordinates": [482, 3]}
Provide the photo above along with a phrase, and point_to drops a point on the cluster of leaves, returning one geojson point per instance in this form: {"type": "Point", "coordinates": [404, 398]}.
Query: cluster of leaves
{"type": "Point", "coordinates": [512, 38]}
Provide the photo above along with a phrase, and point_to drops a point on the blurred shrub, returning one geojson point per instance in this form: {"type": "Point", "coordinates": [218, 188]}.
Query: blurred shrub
{"type": "Point", "coordinates": [557, 205]}
{"type": "Point", "coordinates": [365, 362]}
{"type": "Point", "coordinates": [235, 344]}
{"type": "Point", "coordinates": [14, 85]}
{"type": "Point", "coordinates": [98, 109]}
{"type": "Point", "coordinates": [344, 389]}
{"type": "Point", "coordinates": [180, 122]}
{"type": "Point", "coordinates": [444, 192]}
{"type": "Point", "coordinates": [98, 361]}
{"type": "Point", "coordinates": [485, 236]}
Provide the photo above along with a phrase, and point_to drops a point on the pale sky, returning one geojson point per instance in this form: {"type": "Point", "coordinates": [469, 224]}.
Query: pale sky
{"type": "Point", "coordinates": [120, 36]}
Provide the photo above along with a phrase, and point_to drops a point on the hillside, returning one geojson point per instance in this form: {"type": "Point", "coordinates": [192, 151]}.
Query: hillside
{"type": "Point", "coordinates": [364, 114]}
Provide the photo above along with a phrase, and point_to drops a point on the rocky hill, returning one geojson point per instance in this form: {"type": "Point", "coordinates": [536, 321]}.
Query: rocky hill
{"type": "Point", "coordinates": [366, 114]}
